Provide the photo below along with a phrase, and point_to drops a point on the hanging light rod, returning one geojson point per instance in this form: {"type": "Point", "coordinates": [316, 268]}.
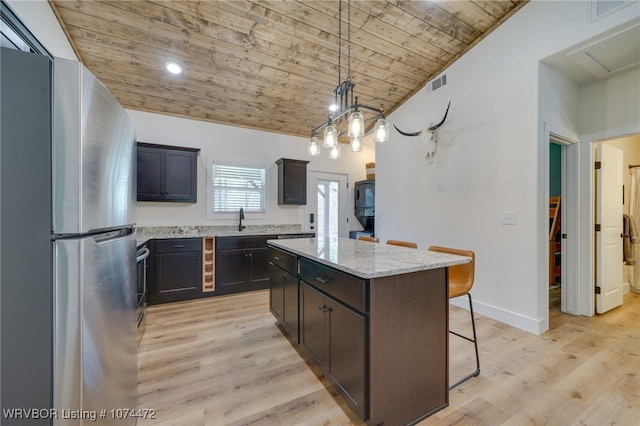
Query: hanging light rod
{"type": "Point", "coordinates": [379, 114]}
{"type": "Point", "coordinates": [344, 106]}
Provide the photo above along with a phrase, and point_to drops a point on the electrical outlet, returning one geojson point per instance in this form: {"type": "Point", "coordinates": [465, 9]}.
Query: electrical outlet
{"type": "Point", "coordinates": [439, 186]}
{"type": "Point", "coordinates": [509, 218]}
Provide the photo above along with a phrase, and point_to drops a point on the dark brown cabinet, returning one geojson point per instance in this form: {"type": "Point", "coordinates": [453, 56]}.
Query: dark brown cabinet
{"type": "Point", "coordinates": [242, 263]}
{"type": "Point", "coordinates": [175, 269]}
{"type": "Point", "coordinates": [292, 181]}
{"type": "Point", "coordinates": [283, 301]}
{"type": "Point", "coordinates": [166, 173]}
{"type": "Point", "coordinates": [334, 336]}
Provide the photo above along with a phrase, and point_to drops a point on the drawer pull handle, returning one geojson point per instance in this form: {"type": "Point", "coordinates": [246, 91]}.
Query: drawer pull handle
{"type": "Point", "coordinates": [276, 258]}
{"type": "Point", "coordinates": [323, 280]}
{"type": "Point", "coordinates": [178, 245]}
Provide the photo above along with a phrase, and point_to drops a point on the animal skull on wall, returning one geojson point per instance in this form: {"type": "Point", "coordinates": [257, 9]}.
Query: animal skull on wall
{"type": "Point", "coordinates": [432, 141]}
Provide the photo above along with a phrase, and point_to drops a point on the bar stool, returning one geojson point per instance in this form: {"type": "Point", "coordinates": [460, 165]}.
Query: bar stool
{"type": "Point", "coordinates": [460, 283]}
{"type": "Point", "coordinates": [371, 239]}
{"type": "Point", "coordinates": [402, 243]}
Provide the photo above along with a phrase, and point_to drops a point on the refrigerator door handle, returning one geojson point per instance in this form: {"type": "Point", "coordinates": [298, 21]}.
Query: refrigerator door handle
{"type": "Point", "coordinates": [112, 236]}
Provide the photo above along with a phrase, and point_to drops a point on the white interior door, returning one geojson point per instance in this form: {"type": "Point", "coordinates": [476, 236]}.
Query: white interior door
{"type": "Point", "coordinates": [609, 239]}
{"type": "Point", "coordinates": [326, 212]}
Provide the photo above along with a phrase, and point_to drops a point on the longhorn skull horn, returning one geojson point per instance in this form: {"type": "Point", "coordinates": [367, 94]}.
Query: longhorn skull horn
{"type": "Point", "coordinates": [406, 133]}
{"type": "Point", "coordinates": [430, 129]}
{"type": "Point", "coordinates": [434, 127]}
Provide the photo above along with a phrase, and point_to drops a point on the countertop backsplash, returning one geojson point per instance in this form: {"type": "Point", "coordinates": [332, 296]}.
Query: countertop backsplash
{"type": "Point", "coordinates": [145, 233]}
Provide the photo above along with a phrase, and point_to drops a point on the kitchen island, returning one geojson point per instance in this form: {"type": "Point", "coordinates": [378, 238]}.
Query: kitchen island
{"type": "Point", "coordinates": [372, 317]}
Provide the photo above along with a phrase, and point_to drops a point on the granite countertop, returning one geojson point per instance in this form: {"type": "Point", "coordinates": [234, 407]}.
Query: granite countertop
{"type": "Point", "coordinates": [365, 259]}
{"type": "Point", "coordinates": [146, 233]}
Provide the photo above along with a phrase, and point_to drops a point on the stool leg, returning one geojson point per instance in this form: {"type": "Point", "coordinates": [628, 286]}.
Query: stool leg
{"type": "Point", "coordinates": [475, 344]}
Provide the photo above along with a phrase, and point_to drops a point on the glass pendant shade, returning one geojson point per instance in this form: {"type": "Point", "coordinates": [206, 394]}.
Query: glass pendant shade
{"type": "Point", "coordinates": [381, 131]}
{"type": "Point", "coordinates": [314, 148]}
{"type": "Point", "coordinates": [356, 144]}
{"type": "Point", "coordinates": [330, 136]}
{"type": "Point", "coordinates": [334, 154]}
{"type": "Point", "coordinates": [356, 125]}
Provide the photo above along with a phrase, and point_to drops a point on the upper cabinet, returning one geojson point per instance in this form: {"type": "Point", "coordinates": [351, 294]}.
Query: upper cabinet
{"type": "Point", "coordinates": [167, 173]}
{"type": "Point", "coordinates": [292, 181]}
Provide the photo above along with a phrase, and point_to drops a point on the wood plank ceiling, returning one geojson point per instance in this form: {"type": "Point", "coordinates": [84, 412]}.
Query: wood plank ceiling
{"type": "Point", "coordinates": [270, 65]}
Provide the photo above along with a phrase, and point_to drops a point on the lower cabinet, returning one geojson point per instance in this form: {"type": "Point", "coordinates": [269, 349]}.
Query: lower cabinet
{"type": "Point", "coordinates": [283, 302]}
{"type": "Point", "coordinates": [175, 269]}
{"type": "Point", "coordinates": [334, 336]}
{"type": "Point", "coordinates": [242, 264]}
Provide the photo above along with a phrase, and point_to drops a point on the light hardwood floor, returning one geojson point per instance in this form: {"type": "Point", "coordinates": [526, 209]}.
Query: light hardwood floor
{"type": "Point", "coordinates": [223, 361]}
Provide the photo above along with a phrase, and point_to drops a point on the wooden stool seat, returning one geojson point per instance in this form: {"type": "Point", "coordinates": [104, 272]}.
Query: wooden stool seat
{"type": "Point", "coordinates": [402, 243]}
{"type": "Point", "coordinates": [371, 239]}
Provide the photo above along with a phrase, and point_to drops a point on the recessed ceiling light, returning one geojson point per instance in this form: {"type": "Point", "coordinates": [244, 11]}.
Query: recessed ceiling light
{"type": "Point", "coordinates": [173, 67]}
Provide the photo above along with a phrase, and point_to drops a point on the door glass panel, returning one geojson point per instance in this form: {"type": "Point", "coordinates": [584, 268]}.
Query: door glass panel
{"type": "Point", "coordinates": [327, 193]}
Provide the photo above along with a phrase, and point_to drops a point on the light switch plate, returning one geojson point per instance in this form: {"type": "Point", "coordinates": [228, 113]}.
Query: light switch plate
{"type": "Point", "coordinates": [509, 218]}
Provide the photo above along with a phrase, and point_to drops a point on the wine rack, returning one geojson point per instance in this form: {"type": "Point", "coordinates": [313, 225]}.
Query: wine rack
{"type": "Point", "coordinates": [208, 264]}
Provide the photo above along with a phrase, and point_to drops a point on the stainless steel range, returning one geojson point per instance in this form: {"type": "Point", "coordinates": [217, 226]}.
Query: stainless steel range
{"type": "Point", "coordinates": [141, 308]}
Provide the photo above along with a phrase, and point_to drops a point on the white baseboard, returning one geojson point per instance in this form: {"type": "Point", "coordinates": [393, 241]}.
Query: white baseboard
{"type": "Point", "coordinates": [522, 322]}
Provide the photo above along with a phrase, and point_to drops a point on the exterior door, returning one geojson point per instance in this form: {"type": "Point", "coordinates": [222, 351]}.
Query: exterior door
{"type": "Point", "coordinates": [609, 217]}
{"type": "Point", "coordinates": [326, 212]}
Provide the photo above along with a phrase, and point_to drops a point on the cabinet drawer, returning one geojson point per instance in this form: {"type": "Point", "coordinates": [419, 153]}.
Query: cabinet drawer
{"type": "Point", "coordinates": [346, 288]}
{"type": "Point", "coordinates": [176, 245]}
{"type": "Point", "coordinates": [232, 243]}
{"type": "Point", "coordinates": [286, 261]}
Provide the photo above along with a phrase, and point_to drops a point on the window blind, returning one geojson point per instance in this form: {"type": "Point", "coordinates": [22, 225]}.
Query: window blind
{"type": "Point", "coordinates": [238, 187]}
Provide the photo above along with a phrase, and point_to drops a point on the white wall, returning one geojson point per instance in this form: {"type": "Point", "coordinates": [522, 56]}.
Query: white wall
{"type": "Point", "coordinates": [42, 22]}
{"type": "Point", "coordinates": [242, 147]}
{"type": "Point", "coordinates": [488, 160]}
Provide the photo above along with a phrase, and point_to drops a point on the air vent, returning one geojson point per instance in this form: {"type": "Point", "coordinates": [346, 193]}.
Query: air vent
{"type": "Point", "coordinates": [437, 83]}
{"type": "Point", "coordinates": [602, 8]}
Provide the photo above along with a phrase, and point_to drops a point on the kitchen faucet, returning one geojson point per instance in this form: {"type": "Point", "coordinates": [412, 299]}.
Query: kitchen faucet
{"type": "Point", "coordinates": [240, 225]}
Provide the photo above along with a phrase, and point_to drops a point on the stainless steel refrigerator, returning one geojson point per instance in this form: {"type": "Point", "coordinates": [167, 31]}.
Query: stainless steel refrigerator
{"type": "Point", "coordinates": [68, 289]}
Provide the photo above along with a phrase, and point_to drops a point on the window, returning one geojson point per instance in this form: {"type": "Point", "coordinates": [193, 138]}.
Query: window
{"type": "Point", "coordinates": [238, 187]}
{"type": "Point", "coordinates": [15, 35]}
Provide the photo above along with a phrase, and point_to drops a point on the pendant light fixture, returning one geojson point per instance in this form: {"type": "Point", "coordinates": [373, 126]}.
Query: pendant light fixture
{"type": "Point", "coordinates": [355, 144]}
{"type": "Point", "coordinates": [314, 148]}
{"type": "Point", "coordinates": [347, 117]}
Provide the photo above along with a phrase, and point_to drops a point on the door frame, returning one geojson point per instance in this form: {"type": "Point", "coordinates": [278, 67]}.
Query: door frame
{"type": "Point", "coordinates": [569, 275]}
{"type": "Point", "coordinates": [586, 297]}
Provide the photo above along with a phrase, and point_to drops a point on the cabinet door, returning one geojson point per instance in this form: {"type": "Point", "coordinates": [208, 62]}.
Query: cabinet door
{"type": "Point", "coordinates": [178, 276]}
{"type": "Point", "coordinates": [259, 268]}
{"type": "Point", "coordinates": [149, 174]}
{"type": "Point", "coordinates": [347, 349]}
{"type": "Point", "coordinates": [290, 305]}
{"type": "Point", "coordinates": [180, 176]}
{"type": "Point", "coordinates": [233, 271]}
{"type": "Point", "coordinates": [295, 183]}
{"type": "Point", "coordinates": [313, 337]}
{"type": "Point", "coordinates": [276, 292]}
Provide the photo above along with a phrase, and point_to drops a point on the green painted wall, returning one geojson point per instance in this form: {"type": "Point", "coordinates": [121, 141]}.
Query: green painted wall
{"type": "Point", "coordinates": [555, 170]}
